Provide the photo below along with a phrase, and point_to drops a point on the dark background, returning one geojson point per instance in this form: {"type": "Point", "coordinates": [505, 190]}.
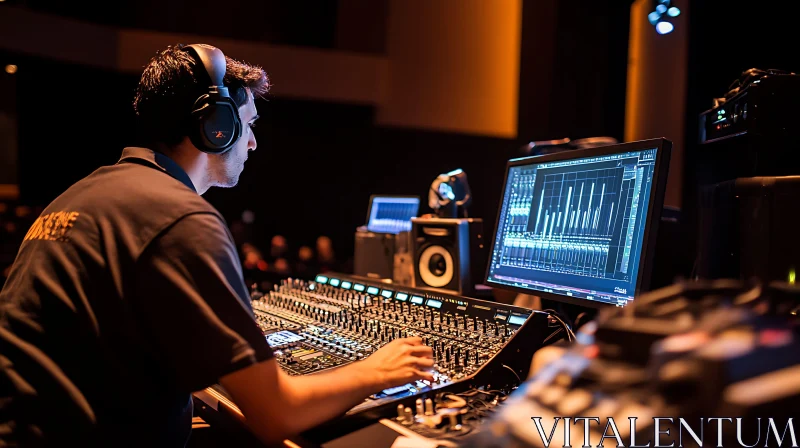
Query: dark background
{"type": "Point", "coordinates": [317, 163]}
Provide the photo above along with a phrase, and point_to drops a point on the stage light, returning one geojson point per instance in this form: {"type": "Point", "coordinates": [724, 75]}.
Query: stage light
{"type": "Point", "coordinates": [661, 15]}
{"type": "Point", "coordinates": [664, 27]}
{"type": "Point", "coordinates": [11, 69]}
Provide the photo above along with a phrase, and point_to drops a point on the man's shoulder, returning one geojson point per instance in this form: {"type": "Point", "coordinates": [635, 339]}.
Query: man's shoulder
{"type": "Point", "coordinates": [134, 201]}
{"type": "Point", "coordinates": [138, 189]}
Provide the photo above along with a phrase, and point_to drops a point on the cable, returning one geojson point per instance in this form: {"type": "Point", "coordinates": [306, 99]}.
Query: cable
{"type": "Point", "coordinates": [515, 373]}
{"type": "Point", "coordinates": [552, 335]}
{"type": "Point", "coordinates": [554, 315]}
{"type": "Point", "coordinates": [458, 402]}
{"type": "Point", "coordinates": [479, 391]}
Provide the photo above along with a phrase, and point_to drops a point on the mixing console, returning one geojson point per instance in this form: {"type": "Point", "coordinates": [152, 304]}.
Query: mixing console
{"type": "Point", "coordinates": [332, 321]}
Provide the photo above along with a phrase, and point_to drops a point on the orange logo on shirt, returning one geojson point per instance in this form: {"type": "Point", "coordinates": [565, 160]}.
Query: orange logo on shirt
{"type": "Point", "coordinates": [52, 227]}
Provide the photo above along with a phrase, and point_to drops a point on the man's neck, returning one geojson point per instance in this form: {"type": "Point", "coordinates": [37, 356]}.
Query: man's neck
{"type": "Point", "coordinates": [194, 162]}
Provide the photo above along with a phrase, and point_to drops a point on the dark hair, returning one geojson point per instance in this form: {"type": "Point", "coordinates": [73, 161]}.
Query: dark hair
{"type": "Point", "coordinates": [170, 84]}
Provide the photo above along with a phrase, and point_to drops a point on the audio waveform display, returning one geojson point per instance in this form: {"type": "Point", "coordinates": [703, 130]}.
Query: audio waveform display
{"type": "Point", "coordinates": [577, 221]}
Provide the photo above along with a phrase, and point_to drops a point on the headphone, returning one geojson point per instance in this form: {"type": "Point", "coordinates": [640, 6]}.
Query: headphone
{"type": "Point", "coordinates": [214, 124]}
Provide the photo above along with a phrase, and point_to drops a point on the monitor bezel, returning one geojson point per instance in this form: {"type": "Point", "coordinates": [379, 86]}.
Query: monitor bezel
{"type": "Point", "coordinates": [660, 173]}
{"type": "Point", "coordinates": [399, 196]}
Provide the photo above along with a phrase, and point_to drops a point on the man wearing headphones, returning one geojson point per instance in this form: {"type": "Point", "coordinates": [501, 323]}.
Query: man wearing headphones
{"type": "Point", "coordinates": [127, 293]}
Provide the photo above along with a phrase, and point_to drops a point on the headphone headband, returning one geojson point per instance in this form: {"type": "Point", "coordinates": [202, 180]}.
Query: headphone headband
{"type": "Point", "coordinates": [213, 60]}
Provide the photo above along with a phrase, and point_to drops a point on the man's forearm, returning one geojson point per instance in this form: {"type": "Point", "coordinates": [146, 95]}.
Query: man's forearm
{"type": "Point", "coordinates": [315, 399]}
{"type": "Point", "coordinates": [300, 402]}
{"type": "Point", "coordinates": [276, 405]}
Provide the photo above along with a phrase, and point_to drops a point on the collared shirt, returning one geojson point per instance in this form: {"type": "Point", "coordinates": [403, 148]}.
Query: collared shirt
{"type": "Point", "coordinates": [126, 296]}
{"type": "Point", "coordinates": [156, 160]}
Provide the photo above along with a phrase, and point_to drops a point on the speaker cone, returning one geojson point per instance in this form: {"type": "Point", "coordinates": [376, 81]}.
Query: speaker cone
{"type": "Point", "coordinates": [436, 266]}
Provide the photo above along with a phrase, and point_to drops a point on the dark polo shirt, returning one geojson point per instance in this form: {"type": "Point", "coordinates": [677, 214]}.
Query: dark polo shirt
{"type": "Point", "coordinates": [126, 296]}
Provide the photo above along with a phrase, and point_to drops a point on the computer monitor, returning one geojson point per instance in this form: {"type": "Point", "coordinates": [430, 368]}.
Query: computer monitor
{"type": "Point", "coordinates": [580, 226]}
{"type": "Point", "coordinates": [391, 214]}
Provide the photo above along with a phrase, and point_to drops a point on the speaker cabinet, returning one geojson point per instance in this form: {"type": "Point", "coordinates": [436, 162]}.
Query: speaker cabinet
{"type": "Point", "coordinates": [374, 254]}
{"type": "Point", "coordinates": [747, 229]}
{"type": "Point", "coordinates": [447, 254]}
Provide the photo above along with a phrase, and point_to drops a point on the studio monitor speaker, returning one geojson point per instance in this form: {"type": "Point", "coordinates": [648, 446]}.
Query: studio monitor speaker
{"type": "Point", "coordinates": [448, 254]}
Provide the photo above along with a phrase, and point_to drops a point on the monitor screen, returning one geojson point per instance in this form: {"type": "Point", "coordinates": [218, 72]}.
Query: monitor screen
{"type": "Point", "coordinates": [391, 214]}
{"type": "Point", "coordinates": [574, 228]}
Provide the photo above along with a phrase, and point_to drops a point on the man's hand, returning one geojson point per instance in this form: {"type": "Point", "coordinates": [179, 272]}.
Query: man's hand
{"type": "Point", "coordinates": [399, 362]}
{"type": "Point", "coordinates": [276, 405]}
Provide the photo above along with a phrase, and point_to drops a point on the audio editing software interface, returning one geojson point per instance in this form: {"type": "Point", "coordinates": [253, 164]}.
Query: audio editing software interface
{"type": "Point", "coordinates": [575, 227]}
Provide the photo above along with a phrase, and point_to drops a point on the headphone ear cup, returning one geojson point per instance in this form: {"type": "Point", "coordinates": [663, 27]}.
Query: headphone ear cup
{"type": "Point", "coordinates": [215, 124]}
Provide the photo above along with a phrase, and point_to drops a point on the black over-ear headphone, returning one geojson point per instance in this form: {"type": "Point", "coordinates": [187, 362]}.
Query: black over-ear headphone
{"type": "Point", "coordinates": [214, 124]}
